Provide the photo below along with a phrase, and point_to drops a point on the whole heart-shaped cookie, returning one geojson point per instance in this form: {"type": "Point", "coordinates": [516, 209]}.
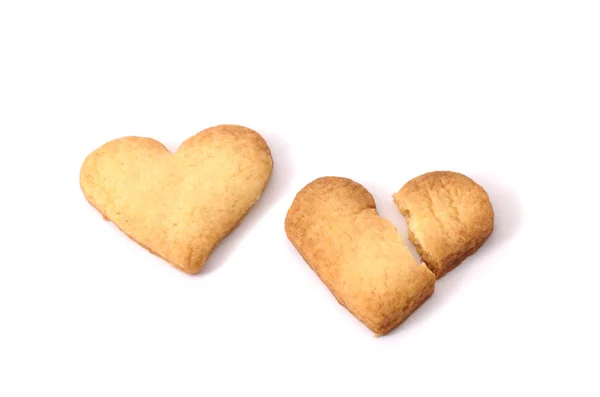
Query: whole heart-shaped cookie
{"type": "Point", "coordinates": [449, 217]}
{"type": "Point", "coordinates": [179, 205]}
{"type": "Point", "coordinates": [358, 255]}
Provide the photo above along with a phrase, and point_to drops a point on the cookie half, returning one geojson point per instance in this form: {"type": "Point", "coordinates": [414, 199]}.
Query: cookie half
{"type": "Point", "coordinates": [449, 217]}
{"type": "Point", "coordinates": [357, 254]}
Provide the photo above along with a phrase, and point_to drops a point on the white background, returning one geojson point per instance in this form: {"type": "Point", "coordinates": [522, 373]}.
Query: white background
{"type": "Point", "coordinates": [506, 92]}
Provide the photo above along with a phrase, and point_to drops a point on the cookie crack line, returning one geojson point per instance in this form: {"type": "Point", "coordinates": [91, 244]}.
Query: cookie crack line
{"type": "Point", "coordinates": [453, 205]}
{"type": "Point", "coordinates": [434, 215]}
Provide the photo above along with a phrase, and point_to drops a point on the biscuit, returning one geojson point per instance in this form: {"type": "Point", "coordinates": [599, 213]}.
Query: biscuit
{"type": "Point", "coordinates": [358, 255]}
{"type": "Point", "coordinates": [179, 205]}
{"type": "Point", "coordinates": [449, 217]}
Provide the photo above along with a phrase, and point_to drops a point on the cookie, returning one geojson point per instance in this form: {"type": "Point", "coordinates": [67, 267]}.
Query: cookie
{"type": "Point", "coordinates": [357, 254]}
{"type": "Point", "coordinates": [449, 217]}
{"type": "Point", "coordinates": [179, 205]}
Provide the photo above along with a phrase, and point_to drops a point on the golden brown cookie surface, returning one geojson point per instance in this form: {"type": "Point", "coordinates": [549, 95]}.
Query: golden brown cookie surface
{"type": "Point", "coordinates": [449, 217]}
{"type": "Point", "coordinates": [179, 205]}
{"type": "Point", "coordinates": [359, 256]}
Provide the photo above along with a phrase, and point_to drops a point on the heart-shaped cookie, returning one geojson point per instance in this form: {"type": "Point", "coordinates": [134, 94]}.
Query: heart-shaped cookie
{"type": "Point", "coordinates": [179, 205]}
{"type": "Point", "coordinates": [449, 217]}
{"type": "Point", "coordinates": [358, 255]}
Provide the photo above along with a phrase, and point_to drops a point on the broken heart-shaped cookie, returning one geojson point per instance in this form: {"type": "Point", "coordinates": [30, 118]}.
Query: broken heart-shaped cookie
{"type": "Point", "coordinates": [449, 217]}
{"type": "Point", "coordinates": [357, 254]}
{"type": "Point", "coordinates": [179, 205]}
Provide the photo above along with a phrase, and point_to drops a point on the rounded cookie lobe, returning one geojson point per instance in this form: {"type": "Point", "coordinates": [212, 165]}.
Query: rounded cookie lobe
{"type": "Point", "coordinates": [179, 205]}
{"type": "Point", "coordinates": [357, 254]}
{"type": "Point", "coordinates": [449, 217]}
